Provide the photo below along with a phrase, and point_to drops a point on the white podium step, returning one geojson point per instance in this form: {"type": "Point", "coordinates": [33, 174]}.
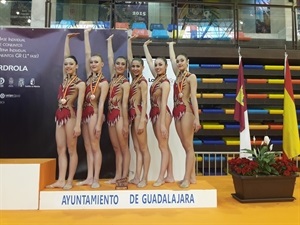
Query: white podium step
{"type": "Point", "coordinates": [200, 195]}
{"type": "Point", "coordinates": [22, 180]}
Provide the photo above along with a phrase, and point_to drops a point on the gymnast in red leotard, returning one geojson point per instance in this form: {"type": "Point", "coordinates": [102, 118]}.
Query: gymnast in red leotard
{"type": "Point", "coordinates": [180, 106]}
{"type": "Point", "coordinates": [160, 114]}
{"type": "Point", "coordinates": [68, 119]}
{"type": "Point", "coordinates": [155, 94]}
{"type": "Point", "coordinates": [92, 115]}
{"type": "Point", "coordinates": [117, 116]}
{"type": "Point", "coordinates": [138, 118]}
{"type": "Point", "coordinates": [185, 111]}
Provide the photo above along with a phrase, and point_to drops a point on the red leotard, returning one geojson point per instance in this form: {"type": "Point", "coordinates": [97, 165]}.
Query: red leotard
{"type": "Point", "coordinates": [180, 107]}
{"type": "Point", "coordinates": [135, 100]}
{"type": "Point", "coordinates": [115, 99]}
{"type": "Point", "coordinates": [67, 110]}
{"type": "Point", "coordinates": [90, 106]}
{"type": "Point", "coordinates": [155, 95]}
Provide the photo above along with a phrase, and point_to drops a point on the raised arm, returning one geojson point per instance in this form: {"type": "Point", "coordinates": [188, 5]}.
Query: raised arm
{"type": "Point", "coordinates": [110, 55]}
{"type": "Point", "coordinates": [173, 57]}
{"type": "Point", "coordinates": [87, 48]}
{"type": "Point", "coordinates": [67, 51]}
{"type": "Point", "coordinates": [149, 57]}
{"type": "Point", "coordinates": [129, 50]}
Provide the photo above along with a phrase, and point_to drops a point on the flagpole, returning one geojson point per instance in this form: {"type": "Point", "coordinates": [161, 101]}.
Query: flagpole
{"type": "Point", "coordinates": [240, 110]}
{"type": "Point", "coordinates": [285, 57]}
{"type": "Point", "coordinates": [240, 56]}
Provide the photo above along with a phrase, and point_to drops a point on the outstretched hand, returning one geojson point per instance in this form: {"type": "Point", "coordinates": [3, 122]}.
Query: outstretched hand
{"type": "Point", "coordinates": [133, 36]}
{"type": "Point", "coordinates": [147, 42]}
{"type": "Point", "coordinates": [196, 125]}
{"type": "Point", "coordinates": [88, 29]}
{"type": "Point", "coordinates": [110, 37]}
{"type": "Point", "coordinates": [70, 35]}
{"type": "Point", "coordinates": [171, 42]}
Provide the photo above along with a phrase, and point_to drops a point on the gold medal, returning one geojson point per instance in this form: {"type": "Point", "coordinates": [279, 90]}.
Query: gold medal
{"type": "Point", "coordinates": [180, 84]}
{"type": "Point", "coordinates": [63, 101]}
{"type": "Point", "coordinates": [93, 90]}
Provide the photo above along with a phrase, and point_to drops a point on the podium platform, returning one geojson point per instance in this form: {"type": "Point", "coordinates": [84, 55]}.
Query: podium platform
{"type": "Point", "coordinates": [169, 195]}
{"type": "Point", "coordinates": [23, 183]}
{"type": "Point", "coordinates": [22, 180]}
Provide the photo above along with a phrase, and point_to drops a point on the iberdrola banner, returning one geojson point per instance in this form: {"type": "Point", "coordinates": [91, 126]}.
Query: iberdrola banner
{"type": "Point", "coordinates": [31, 64]}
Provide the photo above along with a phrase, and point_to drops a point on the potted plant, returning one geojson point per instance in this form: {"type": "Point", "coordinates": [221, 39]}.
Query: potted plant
{"type": "Point", "coordinates": [263, 176]}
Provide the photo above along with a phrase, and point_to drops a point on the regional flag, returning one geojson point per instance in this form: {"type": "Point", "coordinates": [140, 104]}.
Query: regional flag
{"type": "Point", "coordinates": [291, 144]}
{"type": "Point", "coordinates": [240, 110]}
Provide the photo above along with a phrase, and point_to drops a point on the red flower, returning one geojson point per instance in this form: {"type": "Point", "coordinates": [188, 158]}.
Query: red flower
{"type": "Point", "coordinates": [243, 166]}
{"type": "Point", "coordinates": [263, 161]}
{"type": "Point", "coordinates": [285, 167]}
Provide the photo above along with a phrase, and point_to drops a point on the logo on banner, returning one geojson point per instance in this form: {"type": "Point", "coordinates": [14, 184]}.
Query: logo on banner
{"type": "Point", "coordinates": [32, 81]}
{"type": "Point", "coordinates": [10, 82]}
{"type": "Point", "coordinates": [2, 81]}
{"type": "Point", "coordinates": [21, 82]}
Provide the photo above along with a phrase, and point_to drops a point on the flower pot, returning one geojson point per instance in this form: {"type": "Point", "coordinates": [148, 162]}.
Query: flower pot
{"type": "Point", "coordinates": [263, 188]}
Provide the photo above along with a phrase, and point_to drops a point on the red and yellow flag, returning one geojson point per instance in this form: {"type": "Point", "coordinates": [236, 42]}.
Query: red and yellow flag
{"type": "Point", "coordinates": [240, 110]}
{"type": "Point", "coordinates": [291, 144]}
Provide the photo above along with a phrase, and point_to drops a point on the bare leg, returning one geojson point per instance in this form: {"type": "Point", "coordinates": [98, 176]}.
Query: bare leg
{"type": "Point", "coordinates": [165, 152]}
{"type": "Point", "coordinates": [123, 142]}
{"type": "Point", "coordinates": [170, 175]}
{"type": "Point", "coordinates": [96, 151]}
{"type": "Point", "coordinates": [144, 154]}
{"type": "Point", "coordinates": [116, 146]}
{"type": "Point", "coordinates": [184, 128]}
{"type": "Point", "coordinates": [138, 166]}
{"type": "Point", "coordinates": [72, 150]}
{"type": "Point", "coordinates": [89, 156]}
{"type": "Point", "coordinates": [61, 143]}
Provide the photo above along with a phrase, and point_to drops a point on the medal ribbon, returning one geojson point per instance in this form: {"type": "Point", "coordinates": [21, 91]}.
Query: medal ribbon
{"type": "Point", "coordinates": [91, 85]}
{"type": "Point", "coordinates": [67, 86]}
{"type": "Point", "coordinates": [180, 84]}
{"type": "Point", "coordinates": [114, 81]}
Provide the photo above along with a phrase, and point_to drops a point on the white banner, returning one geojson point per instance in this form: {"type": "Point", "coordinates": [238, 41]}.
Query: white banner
{"type": "Point", "coordinates": [128, 199]}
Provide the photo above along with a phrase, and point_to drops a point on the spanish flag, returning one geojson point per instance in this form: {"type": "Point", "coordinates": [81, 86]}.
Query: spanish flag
{"type": "Point", "coordinates": [240, 110]}
{"type": "Point", "coordinates": [291, 144]}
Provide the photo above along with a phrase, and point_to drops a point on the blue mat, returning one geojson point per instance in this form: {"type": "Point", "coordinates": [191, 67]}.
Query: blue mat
{"type": "Point", "coordinates": [230, 95]}
{"type": "Point", "coordinates": [210, 65]}
{"type": "Point", "coordinates": [230, 80]}
{"type": "Point", "coordinates": [232, 126]}
{"type": "Point", "coordinates": [253, 67]}
{"type": "Point", "coordinates": [194, 65]}
{"type": "Point", "coordinates": [213, 110]}
{"type": "Point", "coordinates": [213, 142]}
{"type": "Point", "coordinates": [214, 158]}
{"type": "Point", "coordinates": [197, 142]}
{"type": "Point", "coordinates": [258, 111]}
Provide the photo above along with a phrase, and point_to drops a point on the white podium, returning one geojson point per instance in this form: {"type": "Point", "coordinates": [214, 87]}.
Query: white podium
{"type": "Point", "coordinates": [21, 181]}
{"type": "Point", "coordinates": [200, 195]}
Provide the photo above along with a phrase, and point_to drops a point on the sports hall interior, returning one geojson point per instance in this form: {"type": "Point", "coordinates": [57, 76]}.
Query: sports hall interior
{"type": "Point", "coordinates": [212, 33]}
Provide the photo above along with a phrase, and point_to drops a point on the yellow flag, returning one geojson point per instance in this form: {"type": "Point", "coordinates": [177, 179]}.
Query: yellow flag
{"type": "Point", "coordinates": [291, 144]}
